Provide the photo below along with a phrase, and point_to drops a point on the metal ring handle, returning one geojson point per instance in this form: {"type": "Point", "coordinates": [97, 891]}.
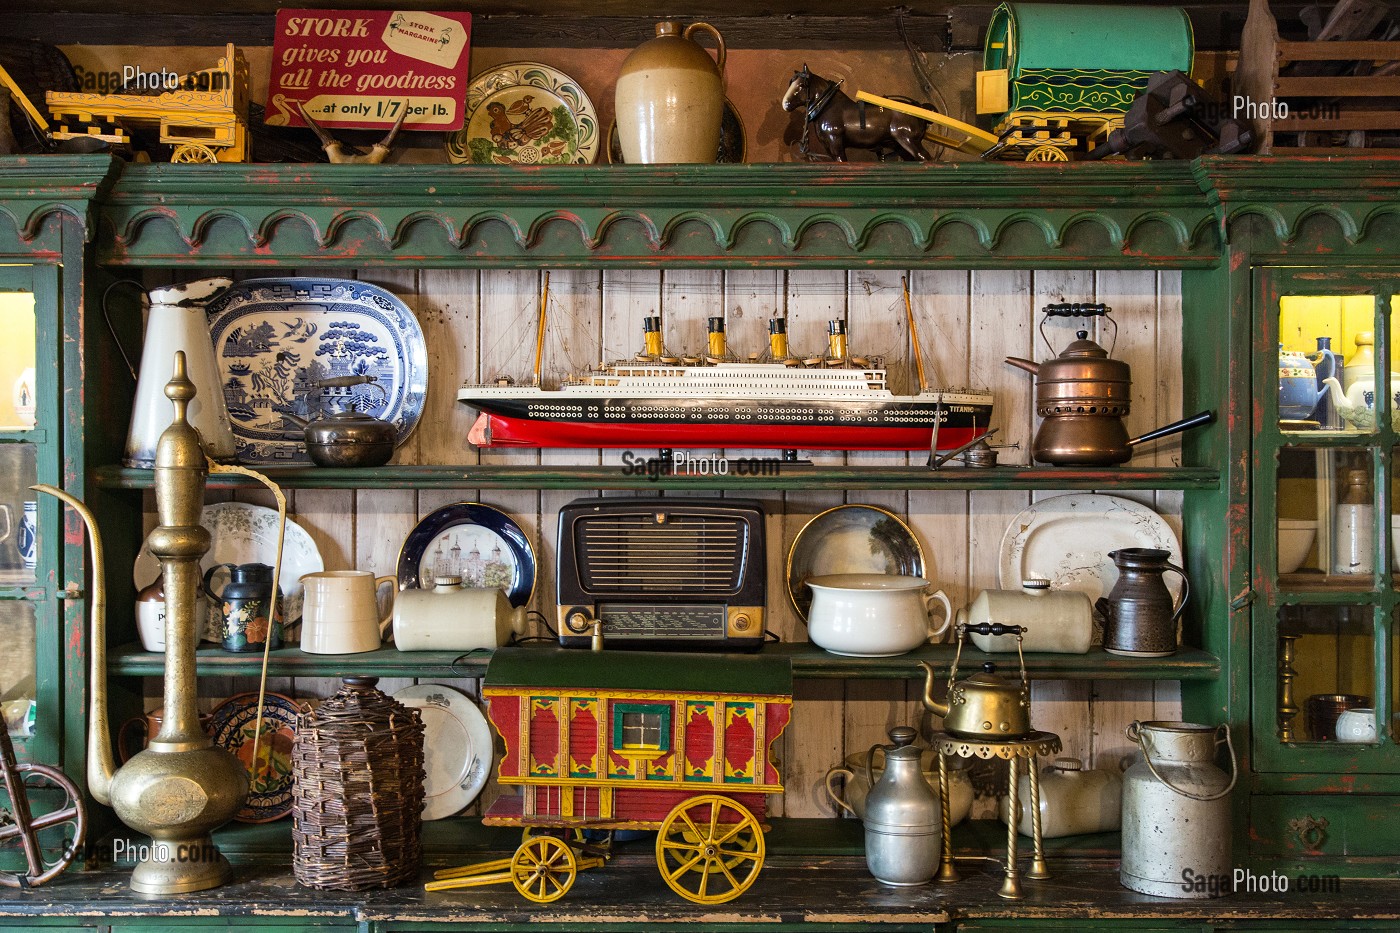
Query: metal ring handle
{"type": "Point", "coordinates": [107, 316]}
{"type": "Point", "coordinates": [1135, 736]}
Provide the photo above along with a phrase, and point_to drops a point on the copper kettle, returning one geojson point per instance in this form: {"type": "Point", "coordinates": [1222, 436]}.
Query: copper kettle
{"type": "Point", "coordinates": [1082, 395]}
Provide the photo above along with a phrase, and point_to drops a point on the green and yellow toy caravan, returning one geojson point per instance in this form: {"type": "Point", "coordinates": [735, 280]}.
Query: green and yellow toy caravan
{"type": "Point", "coordinates": [1060, 77]}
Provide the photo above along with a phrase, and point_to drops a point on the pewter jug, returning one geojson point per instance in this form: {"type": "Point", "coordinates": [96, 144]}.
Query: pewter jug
{"type": "Point", "coordinates": [903, 821]}
{"type": "Point", "coordinates": [1176, 812]}
{"type": "Point", "coordinates": [1139, 614]}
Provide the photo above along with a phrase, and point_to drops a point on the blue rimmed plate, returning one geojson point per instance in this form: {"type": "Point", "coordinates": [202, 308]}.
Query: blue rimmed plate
{"type": "Point", "coordinates": [482, 545]}
{"type": "Point", "coordinates": [276, 338]}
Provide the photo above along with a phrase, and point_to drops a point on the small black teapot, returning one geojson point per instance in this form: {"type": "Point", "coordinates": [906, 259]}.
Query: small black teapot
{"type": "Point", "coordinates": [349, 438]}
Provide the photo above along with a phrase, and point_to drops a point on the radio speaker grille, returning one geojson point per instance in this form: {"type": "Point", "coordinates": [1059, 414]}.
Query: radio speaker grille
{"type": "Point", "coordinates": [683, 555]}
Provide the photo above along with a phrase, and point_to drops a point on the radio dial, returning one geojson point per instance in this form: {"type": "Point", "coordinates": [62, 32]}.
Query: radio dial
{"type": "Point", "coordinates": [741, 623]}
{"type": "Point", "coordinates": [578, 621]}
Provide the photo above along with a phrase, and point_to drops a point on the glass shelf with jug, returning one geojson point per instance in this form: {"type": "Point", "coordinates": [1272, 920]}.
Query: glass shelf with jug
{"type": "Point", "coordinates": [1331, 519]}
{"type": "Point", "coordinates": [1327, 364]}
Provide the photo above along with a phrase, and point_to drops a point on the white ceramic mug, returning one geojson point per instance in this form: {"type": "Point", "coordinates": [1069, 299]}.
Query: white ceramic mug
{"type": "Point", "coordinates": [1357, 726]}
{"type": "Point", "coordinates": [340, 611]}
{"type": "Point", "coordinates": [873, 615]}
{"type": "Point", "coordinates": [451, 617]}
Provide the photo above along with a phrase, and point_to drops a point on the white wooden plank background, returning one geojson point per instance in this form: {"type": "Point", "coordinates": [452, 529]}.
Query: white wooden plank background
{"type": "Point", "coordinates": [479, 324]}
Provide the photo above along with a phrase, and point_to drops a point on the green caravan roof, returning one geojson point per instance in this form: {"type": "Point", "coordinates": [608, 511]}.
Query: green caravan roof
{"type": "Point", "coordinates": [563, 669]}
{"type": "Point", "coordinates": [1088, 38]}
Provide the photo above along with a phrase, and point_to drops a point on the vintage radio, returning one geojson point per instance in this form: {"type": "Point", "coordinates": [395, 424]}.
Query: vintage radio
{"type": "Point", "coordinates": [682, 573]}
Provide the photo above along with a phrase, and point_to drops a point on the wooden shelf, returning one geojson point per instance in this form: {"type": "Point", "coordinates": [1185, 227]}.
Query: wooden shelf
{"type": "Point", "coordinates": [808, 661]}
{"type": "Point", "coordinates": [786, 476]}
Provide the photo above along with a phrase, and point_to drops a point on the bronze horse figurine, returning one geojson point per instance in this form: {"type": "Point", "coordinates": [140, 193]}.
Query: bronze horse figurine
{"type": "Point", "coordinates": [841, 122]}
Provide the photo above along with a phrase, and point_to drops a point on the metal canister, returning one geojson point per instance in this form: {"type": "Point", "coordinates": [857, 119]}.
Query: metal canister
{"type": "Point", "coordinates": [903, 822]}
{"type": "Point", "coordinates": [1176, 811]}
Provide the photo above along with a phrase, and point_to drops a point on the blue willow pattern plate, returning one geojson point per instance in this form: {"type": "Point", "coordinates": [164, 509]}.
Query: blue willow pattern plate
{"type": "Point", "coordinates": [525, 113]}
{"type": "Point", "coordinates": [276, 338]}
{"type": "Point", "coordinates": [481, 544]}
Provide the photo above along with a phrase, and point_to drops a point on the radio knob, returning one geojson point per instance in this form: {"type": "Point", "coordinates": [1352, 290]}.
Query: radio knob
{"type": "Point", "coordinates": [578, 621]}
{"type": "Point", "coordinates": [741, 623]}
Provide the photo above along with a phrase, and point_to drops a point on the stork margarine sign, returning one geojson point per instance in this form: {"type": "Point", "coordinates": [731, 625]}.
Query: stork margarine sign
{"type": "Point", "coordinates": [366, 68]}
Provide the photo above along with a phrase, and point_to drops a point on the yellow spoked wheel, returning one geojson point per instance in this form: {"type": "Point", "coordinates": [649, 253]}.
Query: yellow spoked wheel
{"type": "Point", "coordinates": [709, 849]}
{"type": "Point", "coordinates": [194, 153]}
{"type": "Point", "coordinates": [543, 869]}
{"type": "Point", "coordinates": [1047, 154]}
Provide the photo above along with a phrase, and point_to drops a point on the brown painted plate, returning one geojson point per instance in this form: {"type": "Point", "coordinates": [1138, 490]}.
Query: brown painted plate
{"type": "Point", "coordinates": [270, 783]}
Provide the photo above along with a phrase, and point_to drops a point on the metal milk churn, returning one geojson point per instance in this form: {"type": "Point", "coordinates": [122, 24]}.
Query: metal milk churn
{"type": "Point", "coordinates": [1176, 811]}
{"type": "Point", "coordinates": [903, 822]}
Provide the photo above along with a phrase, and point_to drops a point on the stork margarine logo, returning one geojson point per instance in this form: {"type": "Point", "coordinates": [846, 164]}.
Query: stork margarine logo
{"type": "Point", "coordinates": [427, 37]}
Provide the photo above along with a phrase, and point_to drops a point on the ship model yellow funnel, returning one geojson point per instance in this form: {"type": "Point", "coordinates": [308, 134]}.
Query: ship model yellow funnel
{"type": "Point", "coordinates": [180, 787]}
{"type": "Point", "coordinates": [717, 347]}
{"type": "Point", "coordinates": [651, 337]}
{"type": "Point", "coordinates": [836, 340]}
{"type": "Point", "coordinates": [777, 338]}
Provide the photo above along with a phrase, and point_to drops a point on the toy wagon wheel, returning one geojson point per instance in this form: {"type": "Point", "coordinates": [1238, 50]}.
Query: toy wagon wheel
{"type": "Point", "coordinates": [1047, 154]}
{"type": "Point", "coordinates": [194, 154]}
{"type": "Point", "coordinates": [21, 821]}
{"type": "Point", "coordinates": [709, 849]}
{"type": "Point", "coordinates": [543, 869]}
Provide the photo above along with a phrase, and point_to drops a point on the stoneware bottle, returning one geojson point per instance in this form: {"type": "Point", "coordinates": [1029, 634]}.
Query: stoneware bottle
{"type": "Point", "coordinates": [670, 98]}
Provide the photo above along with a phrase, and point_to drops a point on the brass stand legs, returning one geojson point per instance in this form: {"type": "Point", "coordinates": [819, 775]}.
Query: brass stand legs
{"type": "Point", "coordinates": [946, 872]}
{"type": "Point", "coordinates": [1011, 886]}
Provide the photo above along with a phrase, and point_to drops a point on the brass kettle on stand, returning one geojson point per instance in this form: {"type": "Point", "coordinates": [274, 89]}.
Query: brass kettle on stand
{"type": "Point", "coordinates": [180, 787]}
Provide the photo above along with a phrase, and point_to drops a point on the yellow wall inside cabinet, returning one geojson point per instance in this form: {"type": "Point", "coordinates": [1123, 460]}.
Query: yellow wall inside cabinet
{"type": "Point", "coordinates": [16, 351]}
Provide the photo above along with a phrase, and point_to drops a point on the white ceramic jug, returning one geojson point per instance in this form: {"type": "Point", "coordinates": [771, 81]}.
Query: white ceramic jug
{"type": "Point", "coordinates": [176, 321]}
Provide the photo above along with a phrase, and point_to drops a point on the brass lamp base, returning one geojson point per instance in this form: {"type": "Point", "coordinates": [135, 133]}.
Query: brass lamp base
{"type": "Point", "coordinates": [180, 866]}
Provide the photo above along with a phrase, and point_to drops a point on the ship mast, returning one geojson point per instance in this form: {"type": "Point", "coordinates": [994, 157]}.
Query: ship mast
{"type": "Point", "coordinates": [913, 335]}
{"type": "Point", "coordinates": [539, 340]}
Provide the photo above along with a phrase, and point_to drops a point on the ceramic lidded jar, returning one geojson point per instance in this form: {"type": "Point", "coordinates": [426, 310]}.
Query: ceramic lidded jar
{"type": "Point", "coordinates": [670, 98]}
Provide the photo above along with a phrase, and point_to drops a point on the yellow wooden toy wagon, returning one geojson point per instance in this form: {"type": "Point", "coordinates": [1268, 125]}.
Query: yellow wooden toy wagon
{"type": "Point", "coordinates": [677, 743]}
{"type": "Point", "coordinates": [204, 115]}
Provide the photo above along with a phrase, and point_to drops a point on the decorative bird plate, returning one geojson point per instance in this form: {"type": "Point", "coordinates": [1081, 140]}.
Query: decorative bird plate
{"type": "Point", "coordinates": [525, 113]}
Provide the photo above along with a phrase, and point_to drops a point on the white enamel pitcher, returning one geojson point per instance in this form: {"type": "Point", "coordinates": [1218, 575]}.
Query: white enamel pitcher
{"type": "Point", "coordinates": [176, 321]}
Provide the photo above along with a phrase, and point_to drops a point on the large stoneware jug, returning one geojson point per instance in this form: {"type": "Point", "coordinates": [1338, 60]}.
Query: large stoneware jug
{"type": "Point", "coordinates": [670, 98]}
{"type": "Point", "coordinates": [1139, 612]}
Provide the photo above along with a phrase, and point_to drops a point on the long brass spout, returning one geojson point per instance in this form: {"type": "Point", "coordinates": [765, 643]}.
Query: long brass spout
{"type": "Point", "coordinates": [101, 765]}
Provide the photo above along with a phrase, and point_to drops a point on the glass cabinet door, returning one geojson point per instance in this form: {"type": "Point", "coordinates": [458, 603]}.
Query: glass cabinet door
{"type": "Point", "coordinates": [30, 436]}
{"type": "Point", "coordinates": [1325, 562]}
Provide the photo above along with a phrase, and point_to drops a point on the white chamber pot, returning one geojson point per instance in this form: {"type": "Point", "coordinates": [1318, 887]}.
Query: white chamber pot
{"type": "Point", "coordinates": [873, 615]}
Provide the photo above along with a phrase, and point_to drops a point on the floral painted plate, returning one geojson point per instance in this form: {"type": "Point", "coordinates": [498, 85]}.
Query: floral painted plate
{"type": "Point", "coordinates": [242, 533]}
{"type": "Point", "coordinates": [270, 782]}
{"type": "Point", "coordinates": [525, 113]}
{"type": "Point", "coordinates": [1067, 539]}
{"type": "Point", "coordinates": [275, 339]}
{"type": "Point", "coordinates": [476, 542]}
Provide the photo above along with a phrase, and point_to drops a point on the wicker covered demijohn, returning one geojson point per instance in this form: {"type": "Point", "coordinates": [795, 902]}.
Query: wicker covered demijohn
{"type": "Point", "coordinates": [358, 795]}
